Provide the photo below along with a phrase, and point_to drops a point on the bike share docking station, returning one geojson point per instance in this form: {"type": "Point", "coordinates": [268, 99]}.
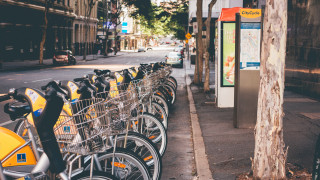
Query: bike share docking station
{"type": "Point", "coordinates": [238, 63]}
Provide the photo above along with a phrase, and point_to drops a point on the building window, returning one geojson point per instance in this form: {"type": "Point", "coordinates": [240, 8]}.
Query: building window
{"type": "Point", "coordinates": [76, 7]}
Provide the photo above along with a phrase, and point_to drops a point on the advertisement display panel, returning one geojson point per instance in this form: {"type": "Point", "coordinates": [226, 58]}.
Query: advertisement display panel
{"type": "Point", "coordinates": [228, 54]}
{"type": "Point", "coordinates": [250, 46]}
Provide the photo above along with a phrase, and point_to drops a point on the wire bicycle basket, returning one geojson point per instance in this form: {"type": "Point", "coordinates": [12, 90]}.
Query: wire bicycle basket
{"type": "Point", "coordinates": [120, 102]}
{"type": "Point", "coordinates": [84, 132]}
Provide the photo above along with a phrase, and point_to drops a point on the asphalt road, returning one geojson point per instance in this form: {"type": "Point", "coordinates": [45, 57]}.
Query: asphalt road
{"type": "Point", "coordinates": [39, 77]}
{"type": "Point", "coordinates": [178, 160]}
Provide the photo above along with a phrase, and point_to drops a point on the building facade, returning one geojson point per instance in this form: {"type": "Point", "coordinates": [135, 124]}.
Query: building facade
{"type": "Point", "coordinates": [21, 24]}
{"type": "Point", "coordinates": [303, 47]}
{"type": "Point", "coordinates": [131, 34]}
{"type": "Point", "coordinates": [79, 26]}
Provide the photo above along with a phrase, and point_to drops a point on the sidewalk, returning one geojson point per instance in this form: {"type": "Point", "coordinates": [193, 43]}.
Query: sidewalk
{"type": "Point", "coordinates": [34, 64]}
{"type": "Point", "coordinates": [229, 149]}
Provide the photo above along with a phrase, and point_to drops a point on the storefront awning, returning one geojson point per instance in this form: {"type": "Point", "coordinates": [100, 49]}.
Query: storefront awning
{"type": "Point", "coordinates": [229, 14]}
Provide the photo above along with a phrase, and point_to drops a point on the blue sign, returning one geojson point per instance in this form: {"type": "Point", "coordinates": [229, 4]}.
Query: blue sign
{"type": "Point", "coordinates": [37, 113]}
{"type": "Point", "coordinates": [21, 158]}
{"type": "Point", "coordinates": [66, 129]}
{"type": "Point", "coordinates": [124, 27]}
{"type": "Point", "coordinates": [250, 26]}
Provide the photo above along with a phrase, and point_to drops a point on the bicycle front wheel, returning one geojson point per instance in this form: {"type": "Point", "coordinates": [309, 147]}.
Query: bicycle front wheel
{"type": "Point", "coordinates": [160, 100]}
{"type": "Point", "coordinates": [158, 112]}
{"type": "Point", "coordinates": [122, 164]}
{"type": "Point", "coordinates": [144, 148]}
{"type": "Point", "coordinates": [153, 129]}
{"type": "Point", "coordinates": [96, 175]}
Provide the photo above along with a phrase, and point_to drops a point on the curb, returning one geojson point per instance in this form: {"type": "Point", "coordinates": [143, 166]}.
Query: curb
{"type": "Point", "coordinates": [202, 164]}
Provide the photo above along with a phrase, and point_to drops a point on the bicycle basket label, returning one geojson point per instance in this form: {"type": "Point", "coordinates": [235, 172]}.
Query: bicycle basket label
{"type": "Point", "coordinates": [119, 78]}
{"type": "Point", "coordinates": [72, 86]}
{"type": "Point", "coordinates": [66, 129]}
{"type": "Point", "coordinates": [21, 158]}
{"type": "Point", "coordinates": [113, 89]}
{"type": "Point", "coordinates": [32, 95]}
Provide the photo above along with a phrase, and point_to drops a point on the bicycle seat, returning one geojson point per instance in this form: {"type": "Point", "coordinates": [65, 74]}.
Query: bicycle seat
{"type": "Point", "coordinates": [16, 111]}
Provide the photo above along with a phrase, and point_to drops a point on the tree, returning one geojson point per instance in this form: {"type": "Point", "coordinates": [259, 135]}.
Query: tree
{"type": "Point", "coordinates": [169, 18]}
{"type": "Point", "coordinates": [207, 47]}
{"type": "Point", "coordinates": [178, 23]}
{"type": "Point", "coordinates": [48, 4]}
{"type": "Point", "coordinates": [117, 10]}
{"type": "Point", "coordinates": [88, 5]}
{"type": "Point", "coordinates": [141, 9]}
{"type": "Point", "coordinates": [269, 153]}
{"type": "Point", "coordinates": [199, 63]}
{"type": "Point", "coordinates": [104, 7]}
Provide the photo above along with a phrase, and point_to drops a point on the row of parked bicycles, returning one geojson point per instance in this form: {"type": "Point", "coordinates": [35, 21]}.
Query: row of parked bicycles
{"type": "Point", "coordinates": [105, 125]}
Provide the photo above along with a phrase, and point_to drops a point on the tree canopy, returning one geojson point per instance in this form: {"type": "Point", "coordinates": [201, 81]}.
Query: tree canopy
{"type": "Point", "coordinates": [168, 18]}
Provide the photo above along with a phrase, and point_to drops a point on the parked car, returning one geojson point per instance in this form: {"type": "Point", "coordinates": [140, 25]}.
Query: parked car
{"type": "Point", "coordinates": [142, 49]}
{"type": "Point", "coordinates": [63, 56]}
{"type": "Point", "coordinates": [179, 49]}
{"type": "Point", "coordinates": [174, 58]}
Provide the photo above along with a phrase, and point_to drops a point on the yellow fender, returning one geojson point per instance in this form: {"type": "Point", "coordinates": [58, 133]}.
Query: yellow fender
{"type": "Point", "coordinates": [11, 141]}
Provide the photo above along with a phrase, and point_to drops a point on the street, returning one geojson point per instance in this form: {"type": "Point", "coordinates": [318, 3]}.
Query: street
{"type": "Point", "coordinates": [178, 160]}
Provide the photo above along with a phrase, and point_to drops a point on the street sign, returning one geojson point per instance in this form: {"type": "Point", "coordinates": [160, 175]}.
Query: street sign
{"type": "Point", "coordinates": [250, 13]}
{"type": "Point", "coordinates": [188, 36]}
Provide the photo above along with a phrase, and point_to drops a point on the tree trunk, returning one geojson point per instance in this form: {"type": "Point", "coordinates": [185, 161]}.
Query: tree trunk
{"type": "Point", "coordinates": [44, 32]}
{"type": "Point", "coordinates": [199, 63]}
{"type": "Point", "coordinates": [107, 31]}
{"type": "Point", "coordinates": [85, 41]}
{"type": "Point", "coordinates": [207, 47]}
{"type": "Point", "coordinates": [115, 40]}
{"type": "Point", "coordinates": [269, 153]}
{"type": "Point", "coordinates": [87, 9]}
{"type": "Point", "coordinates": [106, 48]}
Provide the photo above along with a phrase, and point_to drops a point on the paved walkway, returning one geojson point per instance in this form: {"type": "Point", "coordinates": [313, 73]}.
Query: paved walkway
{"type": "Point", "coordinates": [229, 149]}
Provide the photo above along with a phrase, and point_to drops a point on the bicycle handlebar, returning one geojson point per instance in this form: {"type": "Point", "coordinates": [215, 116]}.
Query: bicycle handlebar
{"type": "Point", "coordinates": [4, 98]}
{"type": "Point", "coordinates": [101, 72]}
{"type": "Point", "coordinates": [55, 85]}
{"type": "Point", "coordinates": [79, 79]}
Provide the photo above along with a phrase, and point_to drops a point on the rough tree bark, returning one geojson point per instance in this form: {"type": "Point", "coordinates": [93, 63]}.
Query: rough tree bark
{"type": "Point", "coordinates": [44, 31]}
{"type": "Point", "coordinates": [207, 47]}
{"type": "Point", "coordinates": [198, 71]}
{"type": "Point", "coordinates": [270, 154]}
